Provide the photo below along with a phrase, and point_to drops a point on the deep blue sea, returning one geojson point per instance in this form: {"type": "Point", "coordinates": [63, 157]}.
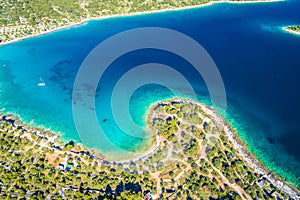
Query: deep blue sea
{"type": "Point", "coordinates": [259, 64]}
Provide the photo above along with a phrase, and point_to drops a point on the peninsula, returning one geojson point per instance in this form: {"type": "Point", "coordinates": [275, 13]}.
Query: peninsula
{"type": "Point", "coordinates": [22, 19]}
{"type": "Point", "coordinates": [198, 155]}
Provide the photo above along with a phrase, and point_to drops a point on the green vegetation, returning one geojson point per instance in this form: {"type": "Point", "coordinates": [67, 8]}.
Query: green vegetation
{"type": "Point", "coordinates": [294, 28]}
{"type": "Point", "coordinates": [29, 168]}
{"type": "Point", "coordinates": [194, 160]}
{"type": "Point", "coordinates": [21, 18]}
{"type": "Point", "coordinates": [204, 164]}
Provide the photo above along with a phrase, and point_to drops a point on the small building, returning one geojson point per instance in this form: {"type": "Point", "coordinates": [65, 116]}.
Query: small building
{"type": "Point", "coordinates": [148, 196]}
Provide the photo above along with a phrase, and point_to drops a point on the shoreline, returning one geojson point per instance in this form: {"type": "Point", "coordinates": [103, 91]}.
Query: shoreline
{"type": "Point", "coordinates": [134, 14]}
{"type": "Point", "coordinates": [241, 147]}
{"type": "Point", "coordinates": [40, 132]}
{"type": "Point", "coordinates": [58, 140]}
{"type": "Point", "coordinates": [155, 145]}
{"type": "Point", "coordinates": [287, 30]}
{"type": "Point", "coordinates": [237, 143]}
{"type": "Point", "coordinates": [30, 125]}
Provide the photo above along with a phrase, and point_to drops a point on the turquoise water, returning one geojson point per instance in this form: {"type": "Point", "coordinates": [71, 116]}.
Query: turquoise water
{"type": "Point", "coordinates": [258, 62]}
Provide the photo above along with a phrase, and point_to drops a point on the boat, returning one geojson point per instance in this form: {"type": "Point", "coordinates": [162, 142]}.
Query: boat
{"type": "Point", "coordinates": [41, 83]}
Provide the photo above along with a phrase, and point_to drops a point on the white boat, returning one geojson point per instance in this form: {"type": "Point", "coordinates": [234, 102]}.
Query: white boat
{"type": "Point", "coordinates": [41, 83]}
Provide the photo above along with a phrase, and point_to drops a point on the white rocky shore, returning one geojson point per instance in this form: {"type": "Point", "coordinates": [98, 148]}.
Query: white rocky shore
{"type": "Point", "coordinates": [240, 149]}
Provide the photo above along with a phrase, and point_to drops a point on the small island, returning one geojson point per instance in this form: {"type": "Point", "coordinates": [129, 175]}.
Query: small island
{"type": "Point", "coordinates": [197, 156]}
{"type": "Point", "coordinates": [293, 29]}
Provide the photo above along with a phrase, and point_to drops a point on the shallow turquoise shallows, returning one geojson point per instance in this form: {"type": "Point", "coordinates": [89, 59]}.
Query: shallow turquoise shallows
{"type": "Point", "coordinates": [259, 64]}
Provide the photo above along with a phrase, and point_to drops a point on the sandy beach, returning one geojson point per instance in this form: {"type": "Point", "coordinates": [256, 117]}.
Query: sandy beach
{"type": "Point", "coordinates": [134, 14]}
